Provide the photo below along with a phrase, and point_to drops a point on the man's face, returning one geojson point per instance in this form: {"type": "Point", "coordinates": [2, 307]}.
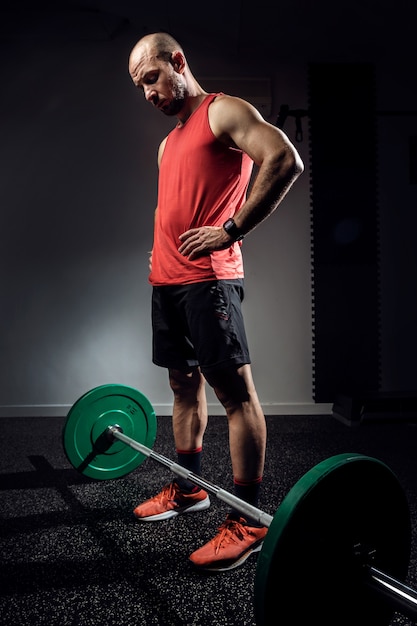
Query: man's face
{"type": "Point", "coordinates": [161, 84]}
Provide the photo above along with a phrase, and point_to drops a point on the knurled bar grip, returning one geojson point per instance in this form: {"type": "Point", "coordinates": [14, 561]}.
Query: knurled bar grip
{"type": "Point", "coordinates": [240, 505]}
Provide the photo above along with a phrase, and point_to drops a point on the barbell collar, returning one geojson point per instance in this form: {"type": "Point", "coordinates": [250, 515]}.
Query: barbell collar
{"type": "Point", "coordinates": [403, 597]}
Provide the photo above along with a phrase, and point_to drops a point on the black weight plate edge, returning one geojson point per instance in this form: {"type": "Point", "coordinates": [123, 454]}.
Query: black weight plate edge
{"type": "Point", "coordinates": [283, 516]}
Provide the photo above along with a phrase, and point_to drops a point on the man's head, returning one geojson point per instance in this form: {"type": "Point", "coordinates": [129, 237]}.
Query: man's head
{"type": "Point", "coordinates": [157, 65]}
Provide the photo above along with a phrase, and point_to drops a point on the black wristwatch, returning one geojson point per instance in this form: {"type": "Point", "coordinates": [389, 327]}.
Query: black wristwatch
{"type": "Point", "coordinates": [232, 230]}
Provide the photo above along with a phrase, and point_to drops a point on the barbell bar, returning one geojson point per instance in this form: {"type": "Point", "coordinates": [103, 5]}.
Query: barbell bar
{"type": "Point", "coordinates": [339, 541]}
{"type": "Point", "coordinates": [244, 507]}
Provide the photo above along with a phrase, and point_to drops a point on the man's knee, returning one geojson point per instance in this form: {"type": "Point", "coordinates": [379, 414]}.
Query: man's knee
{"type": "Point", "coordinates": [231, 385]}
{"type": "Point", "coordinates": [185, 381]}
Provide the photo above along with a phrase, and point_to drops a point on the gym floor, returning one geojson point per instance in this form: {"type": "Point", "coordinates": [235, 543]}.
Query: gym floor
{"type": "Point", "coordinates": [72, 553]}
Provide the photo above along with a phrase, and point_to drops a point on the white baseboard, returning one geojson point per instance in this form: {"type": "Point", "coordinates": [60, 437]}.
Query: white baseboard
{"type": "Point", "coordinates": [61, 410]}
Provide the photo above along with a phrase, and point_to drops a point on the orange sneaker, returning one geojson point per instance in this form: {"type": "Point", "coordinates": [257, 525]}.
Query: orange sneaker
{"type": "Point", "coordinates": [171, 502]}
{"type": "Point", "coordinates": [232, 545]}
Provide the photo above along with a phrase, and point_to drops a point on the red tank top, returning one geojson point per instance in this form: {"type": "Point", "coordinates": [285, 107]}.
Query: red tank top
{"type": "Point", "coordinates": [202, 182]}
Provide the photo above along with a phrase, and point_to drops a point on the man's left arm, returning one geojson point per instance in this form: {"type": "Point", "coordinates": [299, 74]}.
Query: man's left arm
{"type": "Point", "coordinates": [240, 125]}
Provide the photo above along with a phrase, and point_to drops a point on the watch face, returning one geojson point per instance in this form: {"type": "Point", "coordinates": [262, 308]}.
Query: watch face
{"type": "Point", "coordinates": [232, 230]}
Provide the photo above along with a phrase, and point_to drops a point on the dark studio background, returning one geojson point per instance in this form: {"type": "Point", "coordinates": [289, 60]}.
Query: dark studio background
{"type": "Point", "coordinates": [330, 304]}
{"type": "Point", "coordinates": [330, 279]}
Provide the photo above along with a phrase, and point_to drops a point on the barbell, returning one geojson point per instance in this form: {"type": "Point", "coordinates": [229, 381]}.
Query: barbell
{"type": "Point", "coordinates": [337, 549]}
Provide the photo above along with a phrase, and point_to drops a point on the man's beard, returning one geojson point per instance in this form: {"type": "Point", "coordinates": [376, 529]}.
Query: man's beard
{"type": "Point", "coordinates": [179, 95]}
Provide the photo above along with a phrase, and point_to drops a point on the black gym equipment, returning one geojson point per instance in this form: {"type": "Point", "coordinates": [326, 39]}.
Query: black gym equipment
{"type": "Point", "coordinates": [337, 548]}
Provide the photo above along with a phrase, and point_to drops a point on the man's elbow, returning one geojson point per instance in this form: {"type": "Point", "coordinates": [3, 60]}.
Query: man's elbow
{"type": "Point", "coordinates": [295, 165]}
{"type": "Point", "coordinates": [288, 164]}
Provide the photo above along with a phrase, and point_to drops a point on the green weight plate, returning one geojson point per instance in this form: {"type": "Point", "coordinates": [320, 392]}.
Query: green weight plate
{"type": "Point", "coordinates": [309, 571]}
{"type": "Point", "coordinates": [86, 444]}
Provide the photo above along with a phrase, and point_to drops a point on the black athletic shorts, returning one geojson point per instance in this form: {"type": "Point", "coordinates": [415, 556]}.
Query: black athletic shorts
{"type": "Point", "coordinates": [199, 324]}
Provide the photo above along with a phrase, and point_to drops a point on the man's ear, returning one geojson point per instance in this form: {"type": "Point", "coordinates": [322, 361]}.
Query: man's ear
{"type": "Point", "coordinates": [178, 61]}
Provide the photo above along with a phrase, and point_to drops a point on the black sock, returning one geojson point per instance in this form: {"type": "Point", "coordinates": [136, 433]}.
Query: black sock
{"type": "Point", "coordinates": [191, 460]}
{"type": "Point", "coordinates": [248, 492]}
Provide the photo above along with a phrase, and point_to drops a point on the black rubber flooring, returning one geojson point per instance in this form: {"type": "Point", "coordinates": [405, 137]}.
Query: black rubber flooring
{"type": "Point", "coordinates": [72, 553]}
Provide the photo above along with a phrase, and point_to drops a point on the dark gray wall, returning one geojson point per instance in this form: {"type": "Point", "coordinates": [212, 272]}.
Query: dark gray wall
{"type": "Point", "coordinates": [77, 193]}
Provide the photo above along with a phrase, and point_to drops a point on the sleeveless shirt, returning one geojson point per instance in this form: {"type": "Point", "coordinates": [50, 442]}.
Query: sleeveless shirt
{"type": "Point", "coordinates": [202, 182]}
